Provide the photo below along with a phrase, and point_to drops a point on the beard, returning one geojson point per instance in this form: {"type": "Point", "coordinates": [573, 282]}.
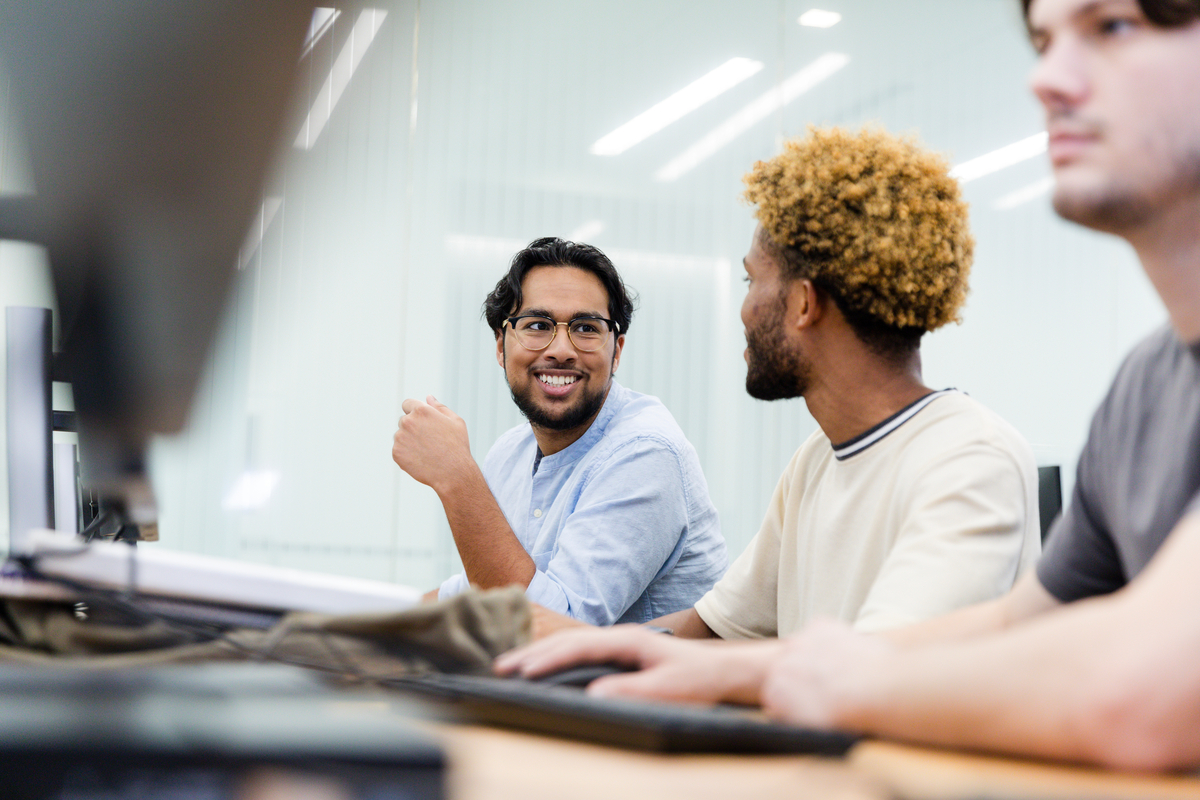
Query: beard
{"type": "Point", "coordinates": [775, 370]}
{"type": "Point", "coordinates": [585, 407]}
{"type": "Point", "coordinates": [1111, 211]}
{"type": "Point", "coordinates": [1128, 200]}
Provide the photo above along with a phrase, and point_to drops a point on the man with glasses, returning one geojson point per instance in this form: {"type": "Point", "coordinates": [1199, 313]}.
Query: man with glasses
{"type": "Point", "coordinates": [598, 505]}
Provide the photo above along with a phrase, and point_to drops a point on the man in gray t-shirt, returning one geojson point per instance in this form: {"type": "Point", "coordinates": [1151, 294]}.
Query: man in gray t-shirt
{"type": "Point", "coordinates": [1139, 473]}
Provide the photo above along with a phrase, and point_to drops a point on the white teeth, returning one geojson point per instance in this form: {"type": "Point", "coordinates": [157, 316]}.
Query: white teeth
{"type": "Point", "coordinates": [557, 380]}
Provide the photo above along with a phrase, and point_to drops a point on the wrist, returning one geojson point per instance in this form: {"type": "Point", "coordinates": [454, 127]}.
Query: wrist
{"type": "Point", "coordinates": [459, 482]}
{"type": "Point", "coordinates": [746, 667]}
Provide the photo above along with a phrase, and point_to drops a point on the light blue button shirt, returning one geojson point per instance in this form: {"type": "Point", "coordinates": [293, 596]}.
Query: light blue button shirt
{"type": "Point", "coordinates": [619, 524]}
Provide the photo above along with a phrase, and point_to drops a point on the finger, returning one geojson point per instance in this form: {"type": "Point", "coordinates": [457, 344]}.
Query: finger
{"type": "Point", "coordinates": [408, 405]}
{"type": "Point", "coordinates": [572, 647]}
{"type": "Point", "coordinates": [653, 683]}
{"type": "Point", "coordinates": [440, 406]}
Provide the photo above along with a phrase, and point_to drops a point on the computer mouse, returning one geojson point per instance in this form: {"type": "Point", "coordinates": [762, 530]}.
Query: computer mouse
{"type": "Point", "coordinates": [580, 676]}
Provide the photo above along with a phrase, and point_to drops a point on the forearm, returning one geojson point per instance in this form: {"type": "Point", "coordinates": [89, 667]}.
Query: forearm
{"type": "Point", "coordinates": [491, 554]}
{"type": "Point", "coordinates": [1026, 600]}
{"type": "Point", "coordinates": [1067, 685]}
{"type": "Point", "coordinates": [686, 624]}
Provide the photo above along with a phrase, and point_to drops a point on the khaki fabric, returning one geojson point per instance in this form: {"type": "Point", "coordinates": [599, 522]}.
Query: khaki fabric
{"type": "Point", "coordinates": [461, 634]}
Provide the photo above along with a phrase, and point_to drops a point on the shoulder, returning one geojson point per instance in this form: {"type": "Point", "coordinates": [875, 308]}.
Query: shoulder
{"type": "Point", "coordinates": [1155, 363]}
{"type": "Point", "coordinates": [957, 422]}
{"type": "Point", "coordinates": [513, 443]}
{"type": "Point", "coordinates": [642, 417]}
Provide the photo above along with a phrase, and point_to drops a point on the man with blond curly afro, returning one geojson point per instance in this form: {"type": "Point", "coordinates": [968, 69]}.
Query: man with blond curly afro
{"type": "Point", "coordinates": [907, 502]}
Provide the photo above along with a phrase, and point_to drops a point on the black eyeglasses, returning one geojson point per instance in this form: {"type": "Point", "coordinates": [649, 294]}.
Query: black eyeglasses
{"type": "Point", "coordinates": [587, 334]}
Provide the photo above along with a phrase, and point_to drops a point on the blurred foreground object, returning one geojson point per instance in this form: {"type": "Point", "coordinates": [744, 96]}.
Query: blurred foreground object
{"type": "Point", "coordinates": [150, 127]}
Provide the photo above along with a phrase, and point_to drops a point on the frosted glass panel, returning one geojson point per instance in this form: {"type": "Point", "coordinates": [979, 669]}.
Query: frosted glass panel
{"type": "Point", "coordinates": [431, 140]}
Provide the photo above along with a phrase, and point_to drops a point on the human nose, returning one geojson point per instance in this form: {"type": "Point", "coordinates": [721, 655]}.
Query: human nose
{"type": "Point", "coordinates": [1059, 79]}
{"type": "Point", "coordinates": [561, 347]}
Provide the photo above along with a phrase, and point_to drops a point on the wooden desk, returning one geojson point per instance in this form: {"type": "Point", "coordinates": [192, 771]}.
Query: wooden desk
{"type": "Point", "coordinates": [492, 764]}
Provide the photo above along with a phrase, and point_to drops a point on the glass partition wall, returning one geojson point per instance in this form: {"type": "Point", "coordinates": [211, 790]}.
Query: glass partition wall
{"type": "Point", "coordinates": [432, 139]}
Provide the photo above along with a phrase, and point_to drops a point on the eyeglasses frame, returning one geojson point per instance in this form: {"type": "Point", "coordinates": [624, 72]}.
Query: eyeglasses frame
{"type": "Point", "coordinates": [511, 322]}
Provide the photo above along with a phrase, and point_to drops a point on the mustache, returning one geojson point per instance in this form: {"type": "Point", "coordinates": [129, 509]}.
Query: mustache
{"type": "Point", "coordinates": [1068, 121]}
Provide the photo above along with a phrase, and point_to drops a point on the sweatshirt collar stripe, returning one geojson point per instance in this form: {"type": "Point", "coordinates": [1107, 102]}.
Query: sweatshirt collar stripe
{"type": "Point", "coordinates": [864, 440]}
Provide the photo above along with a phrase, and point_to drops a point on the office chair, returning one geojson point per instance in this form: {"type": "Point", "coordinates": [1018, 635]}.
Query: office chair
{"type": "Point", "coordinates": [1049, 497]}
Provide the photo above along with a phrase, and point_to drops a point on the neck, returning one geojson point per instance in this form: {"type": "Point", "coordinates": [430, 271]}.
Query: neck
{"type": "Point", "coordinates": [1169, 249]}
{"type": "Point", "coordinates": [856, 393]}
{"type": "Point", "coordinates": [554, 440]}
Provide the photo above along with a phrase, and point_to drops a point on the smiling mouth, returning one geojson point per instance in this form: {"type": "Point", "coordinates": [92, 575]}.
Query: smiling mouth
{"type": "Point", "coordinates": [557, 380]}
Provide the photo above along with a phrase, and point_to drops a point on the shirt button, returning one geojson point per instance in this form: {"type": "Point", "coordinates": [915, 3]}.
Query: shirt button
{"type": "Point", "coordinates": [537, 512]}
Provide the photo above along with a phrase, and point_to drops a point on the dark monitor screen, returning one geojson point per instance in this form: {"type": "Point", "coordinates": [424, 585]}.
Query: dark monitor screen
{"type": "Point", "coordinates": [150, 125]}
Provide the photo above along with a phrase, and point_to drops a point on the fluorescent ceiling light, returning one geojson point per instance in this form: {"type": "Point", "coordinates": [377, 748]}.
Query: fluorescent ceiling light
{"type": "Point", "coordinates": [322, 23]}
{"type": "Point", "coordinates": [494, 248]}
{"type": "Point", "coordinates": [347, 61]}
{"type": "Point", "coordinates": [686, 100]}
{"type": "Point", "coordinates": [743, 120]}
{"type": "Point", "coordinates": [1024, 195]}
{"type": "Point", "coordinates": [587, 231]}
{"type": "Point", "coordinates": [997, 160]}
{"type": "Point", "coordinates": [816, 18]}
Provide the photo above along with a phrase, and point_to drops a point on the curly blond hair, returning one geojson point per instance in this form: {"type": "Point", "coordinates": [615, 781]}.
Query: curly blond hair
{"type": "Point", "coordinates": [873, 219]}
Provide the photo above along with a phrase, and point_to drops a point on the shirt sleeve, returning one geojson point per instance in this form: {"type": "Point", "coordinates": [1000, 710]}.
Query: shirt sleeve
{"type": "Point", "coordinates": [627, 528]}
{"type": "Point", "coordinates": [455, 584]}
{"type": "Point", "coordinates": [745, 603]}
{"type": "Point", "coordinates": [1081, 558]}
{"type": "Point", "coordinates": [962, 540]}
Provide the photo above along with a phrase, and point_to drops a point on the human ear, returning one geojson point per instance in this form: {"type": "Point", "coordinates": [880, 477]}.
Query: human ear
{"type": "Point", "coordinates": [617, 348]}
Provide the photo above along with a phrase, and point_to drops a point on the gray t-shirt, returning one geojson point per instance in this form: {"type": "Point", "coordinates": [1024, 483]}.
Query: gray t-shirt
{"type": "Point", "coordinates": [1139, 473]}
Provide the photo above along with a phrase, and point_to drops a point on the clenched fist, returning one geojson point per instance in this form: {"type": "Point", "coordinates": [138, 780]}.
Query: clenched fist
{"type": "Point", "coordinates": [431, 443]}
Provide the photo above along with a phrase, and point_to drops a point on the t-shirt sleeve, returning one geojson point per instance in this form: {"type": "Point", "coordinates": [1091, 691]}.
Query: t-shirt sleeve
{"type": "Point", "coordinates": [962, 539]}
{"type": "Point", "coordinates": [1081, 558]}
{"type": "Point", "coordinates": [627, 528]}
{"type": "Point", "coordinates": [744, 604]}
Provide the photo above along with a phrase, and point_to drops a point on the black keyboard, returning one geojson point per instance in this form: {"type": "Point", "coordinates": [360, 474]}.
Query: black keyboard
{"type": "Point", "coordinates": [662, 727]}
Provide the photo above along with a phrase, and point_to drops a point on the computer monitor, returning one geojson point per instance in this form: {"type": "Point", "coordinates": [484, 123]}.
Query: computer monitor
{"type": "Point", "coordinates": [28, 422]}
{"type": "Point", "coordinates": [150, 128]}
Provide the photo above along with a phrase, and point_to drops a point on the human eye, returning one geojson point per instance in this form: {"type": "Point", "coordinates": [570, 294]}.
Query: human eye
{"type": "Point", "coordinates": [587, 327]}
{"type": "Point", "coordinates": [536, 324]}
{"type": "Point", "coordinates": [1116, 25]}
{"type": "Point", "coordinates": [1116, 21]}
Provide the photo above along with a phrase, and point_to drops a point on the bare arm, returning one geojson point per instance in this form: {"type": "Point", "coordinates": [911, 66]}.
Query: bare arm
{"type": "Point", "coordinates": [1027, 599]}
{"type": "Point", "coordinates": [431, 445]}
{"type": "Point", "coordinates": [686, 624]}
{"type": "Point", "coordinates": [1109, 680]}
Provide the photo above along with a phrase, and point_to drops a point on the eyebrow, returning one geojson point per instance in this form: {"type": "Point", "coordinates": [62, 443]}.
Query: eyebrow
{"type": "Point", "coordinates": [543, 312]}
{"type": "Point", "coordinates": [1038, 34]}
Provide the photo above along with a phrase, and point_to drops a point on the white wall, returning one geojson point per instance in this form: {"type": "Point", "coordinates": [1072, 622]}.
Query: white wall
{"type": "Point", "coordinates": [377, 245]}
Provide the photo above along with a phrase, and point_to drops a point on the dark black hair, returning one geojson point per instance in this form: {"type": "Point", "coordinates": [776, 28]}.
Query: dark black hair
{"type": "Point", "coordinates": [551, 251]}
{"type": "Point", "coordinates": [1164, 13]}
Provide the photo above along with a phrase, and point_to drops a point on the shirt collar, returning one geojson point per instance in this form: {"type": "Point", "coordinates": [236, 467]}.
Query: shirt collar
{"type": "Point", "coordinates": [878, 432]}
{"type": "Point", "coordinates": [617, 397]}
